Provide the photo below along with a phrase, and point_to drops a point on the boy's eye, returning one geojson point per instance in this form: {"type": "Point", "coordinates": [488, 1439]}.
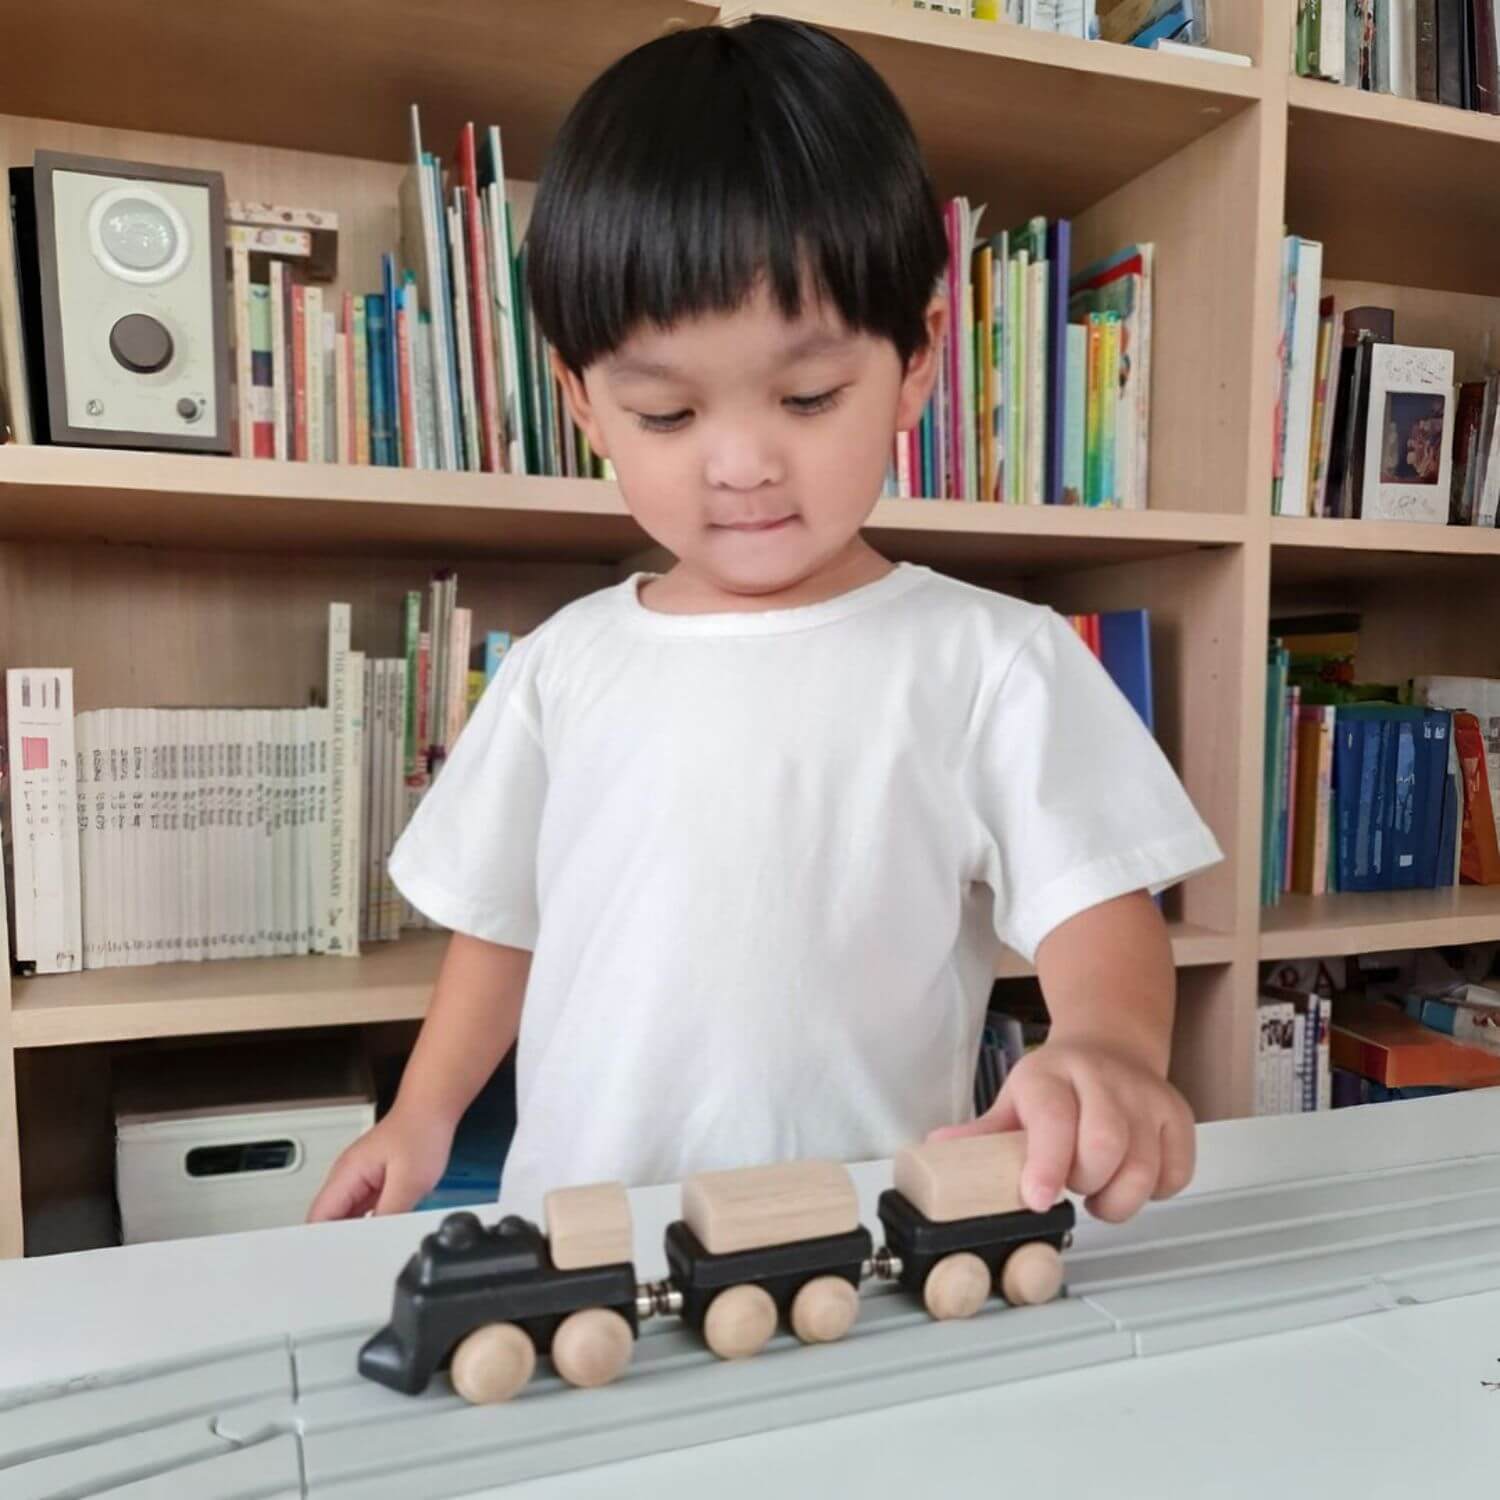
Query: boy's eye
{"type": "Point", "coordinates": [666, 422]}
{"type": "Point", "coordinates": [807, 406]}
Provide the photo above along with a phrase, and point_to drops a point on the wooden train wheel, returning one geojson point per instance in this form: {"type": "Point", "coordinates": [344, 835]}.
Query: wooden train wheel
{"type": "Point", "coordinates": [492, 1363]}
{"type": "Point", "coordinates": [824, 1310]}
{"type": "Point", "coordinates": [1032, 1274]}
{"type": "Point", "coordinates": [739, 1322]}
{"type": "Point", "coordinates": [591, 1347]}
{"type": "Point", "coordinates": [957, 1286]}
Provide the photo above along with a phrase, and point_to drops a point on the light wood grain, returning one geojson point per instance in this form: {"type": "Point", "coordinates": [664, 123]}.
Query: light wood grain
{"type": "Point", "coordinates": [592, 1347]}
{"type": "Point", "coordinates": [779, 1204]}
{"type": "Point", "coordinates": [824, 1309]}
{"type": "Point", "coordinates": [1378, 921]}
{"type": "Point", "coordinates": [957, 1287]}
{"type": "Point", "coordinates": [1031, 1275]}
{"type": "Point", "coordinates": [739, 1322]}
{"type": "Point", "coordinates": [588, 1226]}
{"type": "Point", "coordinates": [965, 1178]}
{"type": "Point", "coordinates": [492, 1364]}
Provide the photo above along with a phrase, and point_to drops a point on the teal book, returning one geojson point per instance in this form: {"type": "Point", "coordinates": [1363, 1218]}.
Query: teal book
{"type": "Point", "coordinates": [1075, 396]}
{"type": "Point", "coordinates": [496, 644]}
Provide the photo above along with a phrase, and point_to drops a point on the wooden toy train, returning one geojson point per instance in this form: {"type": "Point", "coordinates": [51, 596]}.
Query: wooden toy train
{"type": "Point", "coordinates": [755, 1248]}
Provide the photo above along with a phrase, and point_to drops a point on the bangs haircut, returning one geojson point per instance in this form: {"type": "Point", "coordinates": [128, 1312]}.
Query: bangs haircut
{"type": "Point", "coordinates": [715, 157]}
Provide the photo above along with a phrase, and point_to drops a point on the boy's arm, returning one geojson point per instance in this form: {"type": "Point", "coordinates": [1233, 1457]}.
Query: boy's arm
{"type": "Point", "coordinates": [1099, 1115]}
{"type": "Point", "coordinates": [471, 1022]}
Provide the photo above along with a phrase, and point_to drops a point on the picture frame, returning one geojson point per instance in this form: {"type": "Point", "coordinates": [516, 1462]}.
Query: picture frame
{"type": "Point", "coordinates": [1409, 435]}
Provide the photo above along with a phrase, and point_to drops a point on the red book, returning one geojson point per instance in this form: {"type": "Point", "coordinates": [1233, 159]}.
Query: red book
{"type": "Point", "coordinates": [1480, 858]}
{"type": "Point", "coordinates": [486, 368]}
{"type": "Point", "coordinates": [299, 372]}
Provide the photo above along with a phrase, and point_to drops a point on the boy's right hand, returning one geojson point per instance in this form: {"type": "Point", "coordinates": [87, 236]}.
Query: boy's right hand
{"type": "Point", "coordinates": [389, 1169]}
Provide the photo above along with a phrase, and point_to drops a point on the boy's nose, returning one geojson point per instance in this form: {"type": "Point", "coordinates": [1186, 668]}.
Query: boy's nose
{"type": "Point", "coordinates": [740, 462]}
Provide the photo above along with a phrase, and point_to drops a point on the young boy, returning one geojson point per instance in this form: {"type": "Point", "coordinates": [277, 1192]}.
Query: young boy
{"type": "Point", "coordinates": [744, 836]}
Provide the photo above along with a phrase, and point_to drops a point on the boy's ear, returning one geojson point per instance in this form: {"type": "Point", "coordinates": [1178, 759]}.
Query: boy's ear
{"type": "Point", "coordinates": [580, 408]}
{"type": "Point", "coordinates": [922, 368]}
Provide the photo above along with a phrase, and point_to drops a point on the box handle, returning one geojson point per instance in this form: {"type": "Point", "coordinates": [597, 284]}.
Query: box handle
{"type": "Point", "coordinates": [244, 1158]}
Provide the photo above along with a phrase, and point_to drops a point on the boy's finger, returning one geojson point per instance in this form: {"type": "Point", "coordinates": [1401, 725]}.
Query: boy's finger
{"type": "Point", "coordinates": [1179, 1146]}
{"type": "Point", "coordinates": [1047, 1110]}
{"type": "Point", "coordinates": [398, 1194]}
{"type": "Point", "coordinates": [1103, 1138]}
{"type": "Point", "coordinates": [1121, 1198]}
{"type": "Point", "coordinates": [347, 1194]}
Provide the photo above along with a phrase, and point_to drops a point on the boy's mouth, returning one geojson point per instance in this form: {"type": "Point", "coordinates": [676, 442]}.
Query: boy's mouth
{"type": "Point", "coordinates": [767, 525]}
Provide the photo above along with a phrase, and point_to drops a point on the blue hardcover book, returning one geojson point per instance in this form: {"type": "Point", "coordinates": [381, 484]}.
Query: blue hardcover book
{"type": "Point", "coordinates": [1406, 803]}
{"type": "Point", "coordinates": [1059, 252]}
{"type": "Point", "coordinates": [1125, 649]}
{"type": "Point", "coordinates": [380, 410]}
{"type": "Point", "coordinates": [496, 644]}
{"type": "Point", "coordinates": [1348, 747]}
{"type": "Point", "coordinates": [1453, 815]}
{"type": "Point", "coordinates": [392, 373]}
{"type": "Point", "coordinates": [1433, 772]}
{"type": "Point", "coordinates": [1165, 29]}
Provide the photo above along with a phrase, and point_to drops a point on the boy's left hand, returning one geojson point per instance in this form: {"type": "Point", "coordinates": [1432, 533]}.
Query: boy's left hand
{"type": "Point", "coordinates": [1098, 1120]}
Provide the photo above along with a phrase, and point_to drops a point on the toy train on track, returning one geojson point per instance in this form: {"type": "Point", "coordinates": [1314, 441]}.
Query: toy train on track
{"type": "Point", "coordinates": [755, 1249]}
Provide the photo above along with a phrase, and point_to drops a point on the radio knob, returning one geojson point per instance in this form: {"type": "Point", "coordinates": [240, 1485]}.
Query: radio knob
{"type": "Point", "coordinates": [140, 343]}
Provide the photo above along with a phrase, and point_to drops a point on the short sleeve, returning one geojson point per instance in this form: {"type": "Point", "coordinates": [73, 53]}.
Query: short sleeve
{"type": "Point", "coordinates": [1077, 804]}
{"type": "Point", "coordinates": [467, 859]}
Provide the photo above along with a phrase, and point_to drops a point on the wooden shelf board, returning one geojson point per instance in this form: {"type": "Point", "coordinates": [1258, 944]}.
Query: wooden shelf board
{"type": "Point", "coordinates": [226, 72]}
{"type": "Point", "coordinates": [1377, 921]}
{"type": "Point", "coordinates": [390, 982]}
{"type": "Point", "coordinates": [1316, 550]}
{"type": "Point", "coordinates": [190, 500]}
{"type": "Point", "coordinates": [1025, 121]}
{"type": "Point", "coordinates": [1351, 154]}
{"type": "Point", "coordinates": [1192, 946]}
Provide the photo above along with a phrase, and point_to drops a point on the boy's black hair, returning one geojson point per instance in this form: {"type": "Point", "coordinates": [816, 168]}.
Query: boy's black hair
{"type": "Point", "coordinates": [715, 155]}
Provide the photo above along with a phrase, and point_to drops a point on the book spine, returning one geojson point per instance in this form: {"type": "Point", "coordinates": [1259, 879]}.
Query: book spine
{"type": "Point", "coordinates": [244, 444]}
{"type": "Point", "coordinates": [262, 380]}
{"type": "Point", "coordinates": [279, 331]}
{"type": "Point", "coordinates": [299, 371]}
{"type": "Point", "coordinates": [360, 374]}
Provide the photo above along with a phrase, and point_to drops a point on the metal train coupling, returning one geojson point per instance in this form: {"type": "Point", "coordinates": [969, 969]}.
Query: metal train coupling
{"type": "Point", "coordinates": [882, 1266]}
{"type": "Point", "coordinates": [657, 1299]}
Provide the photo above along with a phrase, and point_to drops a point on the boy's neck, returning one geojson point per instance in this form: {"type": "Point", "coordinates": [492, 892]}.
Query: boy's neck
{"type": "Point", "coordinates": [686, 591]}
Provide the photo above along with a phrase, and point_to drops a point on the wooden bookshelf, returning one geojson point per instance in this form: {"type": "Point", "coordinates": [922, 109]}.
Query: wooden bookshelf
{"type": "Point", "coordinates": [389, 982]}
{"type": "Point", "coordinates": [170, 578]}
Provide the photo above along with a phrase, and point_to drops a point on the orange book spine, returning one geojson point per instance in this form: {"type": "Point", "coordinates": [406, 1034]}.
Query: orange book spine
{"type": "Point", "coordinates": [1480, 859]}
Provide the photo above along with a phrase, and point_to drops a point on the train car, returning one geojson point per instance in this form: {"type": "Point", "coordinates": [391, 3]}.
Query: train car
{"type": "Point", "coordinates": [763, 1246]}
{"type": "Point", "coordinates": [955, 1221]}
{"type": "Point", "coordinates": [486, 1302]}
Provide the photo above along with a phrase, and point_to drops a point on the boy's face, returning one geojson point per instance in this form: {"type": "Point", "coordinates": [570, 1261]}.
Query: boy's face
{"type": "Point", "coordinates": [752, 447]}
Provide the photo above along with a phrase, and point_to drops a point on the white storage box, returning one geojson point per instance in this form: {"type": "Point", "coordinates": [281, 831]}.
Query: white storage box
{"type": "Point", "coordinates": [241, 1139]}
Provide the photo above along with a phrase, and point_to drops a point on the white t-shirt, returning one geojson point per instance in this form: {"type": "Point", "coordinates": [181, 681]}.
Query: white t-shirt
{"type": "Point", "coordinates": [763, 860]}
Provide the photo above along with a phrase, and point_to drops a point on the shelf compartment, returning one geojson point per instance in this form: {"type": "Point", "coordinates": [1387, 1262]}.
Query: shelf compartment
{"type": "Point", "coordinates": [1348, 155]}
{"type": "Point", "coordinates": [1026, 121]}
{"type": "Point", "coordinates": [389, 982]}
{"type": "Point", "coordinates": [1378, 921]}
{"type": "Point", "coordinates": [188, 500]}
{"type": "Point", "coordinates": [1032, 122]}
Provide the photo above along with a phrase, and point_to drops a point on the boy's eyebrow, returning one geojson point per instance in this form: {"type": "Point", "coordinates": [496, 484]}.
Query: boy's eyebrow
{"type": "Point", "coordinates": [817, 341]}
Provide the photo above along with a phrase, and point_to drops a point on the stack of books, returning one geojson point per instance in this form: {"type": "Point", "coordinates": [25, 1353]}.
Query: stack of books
{"type": "Point", "coordinates": [1373, 786]}
{"type": "Point", "coordinates": [1043, 394]}
{"type": "Point", "coordinates": [1366, 428]}
{"type": "Point", "coordinates": [146, 836]}
{"type": "Point", "coordinates": [440, 367]}
{"type": "Point", "coordinates": [1443, 51]}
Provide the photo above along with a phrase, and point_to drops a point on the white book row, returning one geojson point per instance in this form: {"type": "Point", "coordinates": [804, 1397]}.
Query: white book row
{"type": "Point", "coordinates": [1292, 1062]}
{"type": "Point", "coordinates": [142, 836]}
{"type": "Point", "coordinates": [202, 833]}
